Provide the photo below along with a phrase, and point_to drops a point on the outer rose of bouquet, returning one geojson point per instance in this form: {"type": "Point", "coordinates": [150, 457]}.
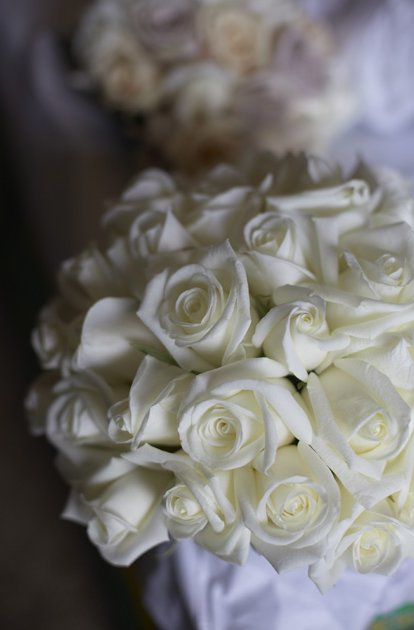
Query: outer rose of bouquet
{"type": "Point", "coordinates": [216, 76]}
{"type": "Point", "coordinates": [235, 364]}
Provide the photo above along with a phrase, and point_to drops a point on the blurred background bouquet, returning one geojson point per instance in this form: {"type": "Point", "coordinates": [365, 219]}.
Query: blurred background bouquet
{"type": "Point", "coordinates": [208, 79]}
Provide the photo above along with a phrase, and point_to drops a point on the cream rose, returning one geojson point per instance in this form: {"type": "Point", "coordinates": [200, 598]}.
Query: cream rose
{"type": "Point", "coordinates": [361, 425]}
{"type": "Point", "coordinates": [123, 517]}
{"type": "Point", "coordinates": [115, 60]}
{"type": "Point", "coordinates": [198, 114]}
{"type": "Point", "coordinates": [167, 30]}
{"type": "Point", "coordinates": [394, 357]}
{"type": "Point", "coordinates": [156, 232]}
{"type": "Point", "coordinates": [114, 340]}
{"type": "Point", "coordinates": [149, 413]}
{"type": "Point", "coordinates": [130, 81]}
{"type": "Point", "coordinates": [323, 215]}
{"type": "Point", "coordinates": [214, 218]}
{"type": "Point", "coordinates": [368, 541]}
{"type": "Point", "coordinates": [152, 189]}
{"type": "Point", "coordinates": [396, 204]}
{"type": "Point", "coordinates": [57, 335]}
{"type": "Point", "coordinates": [186, 516]}
{"type": "Point", "coordinates": [238, 412]}
{"type": "Point", "coordinates": [78, 411]}
{"type": "Point", "coordinates": [198, 93]}
{"type": "Point", "coordinates": [292, 508]}
{"type": "Point", "coordinates": [378, 263]}
{"type": "Point", "coordinates": [89, 277]}
{"type": "Point", "coordinates": [197, 506]}
{"type": "Point", "coordinates": [296, 332]}
{"type": "Point", "coordinates": [236, 37]}
{"type": "Point", "coordinates": [366, 326]}
{"type": "Point", "coordinates": [323, 201]}
{"type": "Point", "coordinates": [275, 255]}
{"type": "Point", "coordinates": [201, 313]}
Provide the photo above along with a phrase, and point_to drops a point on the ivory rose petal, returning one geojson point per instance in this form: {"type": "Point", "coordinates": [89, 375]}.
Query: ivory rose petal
{"type": "Point", "coordinates": [124, 518]}
{"type": "Point", "coordinates": [292, 508]}
{"type": "Point", "coordinates": [202, 312]}
{"type": "Point", "coordinates": [199, 506]}
{"type": "Point", "coordinates": [149, 413]}
{"type": "Point", "coordinates": [368, 541]}
{"type": "Point", "coordinates": [114, 340]}
{"type": "Point", "coordinates": [238, 412]}
{"type": "Point", "coordinates": [361, 425]}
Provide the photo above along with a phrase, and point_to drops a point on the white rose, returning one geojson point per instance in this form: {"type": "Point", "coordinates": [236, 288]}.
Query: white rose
{"type": "Point", "coordinates": [324, 214]}
{"type": "Point", "coordinates": [156, 232]}
{"type": "Point", "coordinates": [153, 233]}
{"type": "Point", "coordinates": [274, 254]}
{"type": "Point", "coordinates": [201, 313]}
{"type": "Point", "coordinates": [324, 200]}
{"type": "Point", "coordinates": [114, 340]}
{"type": "Point", "coordinates": [296, 333]}
{"type": "Point", "coordinates": [200, 507]}
{"type": "Point", "coordinates": [167, 30]}
{"type": "Point", "coordinates": [88, 468]}
{"type": "Point", "coordinates": [198, 93]}
{"type": "Point", "coordinates": [124, 518]}
{"type": "Point", "coordinates": [38, 400]}
{"type": "Point", "coordinates": [225, 535]}
{"type": "Point", "coordinates": [184, 514]}
{"type": "Point", "coordinates": [149, 414]}
{"type": "Point", "coordinates": [367, 541]}
{"type": "Point", "coordinates": [393, 356]}
{"type": "Point", "coordinates": [115, 60]}
{"type": "Point", "coordinates": [361, 325]}
{"type": "Point", "coordinates": [361, 425]}
{"type": "Point", "coordinates": [288, 175]}
{"type": "Point", "coordinates": [379, 263]}
{"type": "Point", "coordinates": [130, 80]}
{"type": "Point", "coordinates": [236, 37]}
{"type": "Point", "coordinates": [78, 411]}
{"type": "Point", "coordinates": [238, 412]}
{"type": "Point", "coordinates": [152, 189]}
{"type": "Point", "coordinates": [56, 337]}
{"type": "Point", "coordinates": [397, 203]}
{"type": "Point", "coordinates": [214, 218]}
{"type": "Point", "coordinates": [292, 508]}
{"type": "Point", "coordinates": [88, 277]}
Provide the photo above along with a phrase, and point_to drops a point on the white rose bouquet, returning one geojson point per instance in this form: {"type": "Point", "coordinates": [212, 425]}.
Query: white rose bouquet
{"type": "Point", "coordinates": [235, 364]}
{"type": "Point", "coordinates": [207, 78]}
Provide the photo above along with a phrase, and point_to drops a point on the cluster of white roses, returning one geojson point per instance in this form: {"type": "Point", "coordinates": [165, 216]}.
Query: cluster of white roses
{"type": "Point", "coordinates": [236, 365]}
{"type": "Point", "coordinates": [211, 77]}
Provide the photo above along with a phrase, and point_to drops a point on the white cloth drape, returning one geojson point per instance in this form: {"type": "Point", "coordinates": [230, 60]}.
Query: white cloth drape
{"type": "Point", "coordinates": [190, 588]}
{"type": "Point", "coordinates": [376, 44]}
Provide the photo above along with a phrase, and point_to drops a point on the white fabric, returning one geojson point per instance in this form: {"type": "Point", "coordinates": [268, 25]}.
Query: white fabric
{"type": "Point", "coordinates": [377, 45]}
{"type": "Point", "coordinates": [190, 588]}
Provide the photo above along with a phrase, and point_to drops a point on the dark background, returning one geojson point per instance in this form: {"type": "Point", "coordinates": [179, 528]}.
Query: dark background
{"type": "Point", "coordinates": [61, 157]}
